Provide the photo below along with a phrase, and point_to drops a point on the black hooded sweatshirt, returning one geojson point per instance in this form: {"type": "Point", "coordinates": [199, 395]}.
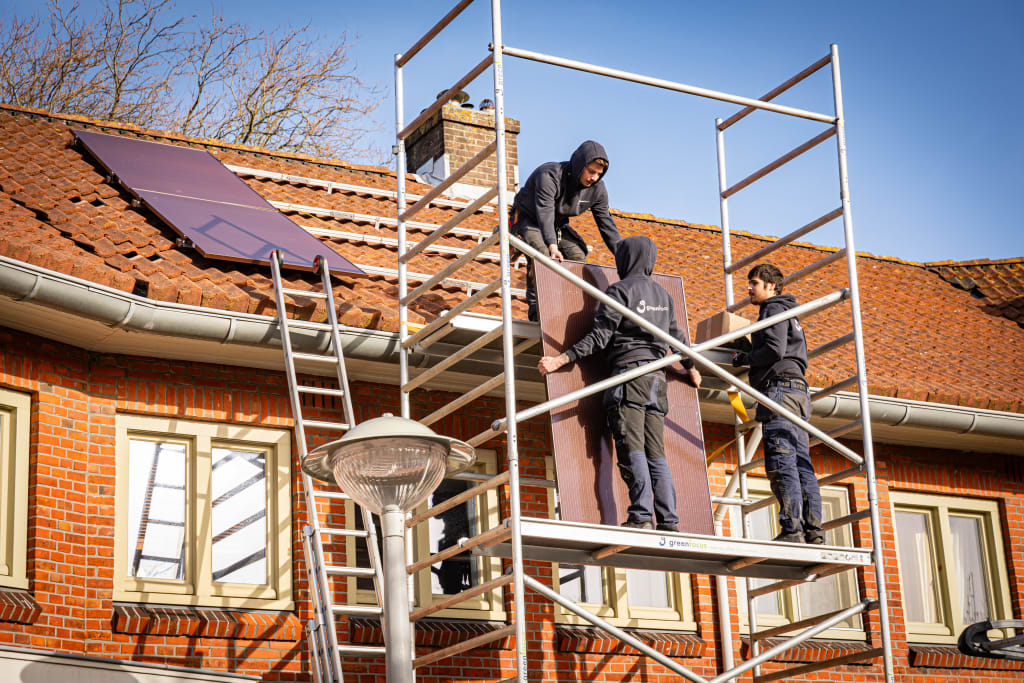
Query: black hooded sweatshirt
{"type": "Point", "coordinates": [553, 193]}
{"type": "Point", "coordinates": [779, 351]}
{"type": "Point", "coordinates": [623, 340]}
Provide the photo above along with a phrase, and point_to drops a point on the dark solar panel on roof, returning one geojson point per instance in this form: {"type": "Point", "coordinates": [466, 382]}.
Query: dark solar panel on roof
{"type": "Point", "coordinates": [203, 201]}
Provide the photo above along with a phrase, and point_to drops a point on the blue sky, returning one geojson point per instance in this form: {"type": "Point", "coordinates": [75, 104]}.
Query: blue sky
{"type": "Point", "coordinates": [931, 92]}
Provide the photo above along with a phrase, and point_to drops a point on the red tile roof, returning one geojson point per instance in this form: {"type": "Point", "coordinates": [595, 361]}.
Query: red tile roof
{"type": "Point", "coordinates": [925, 340]}
{"type": "Point", "coordinates": [997, 286]}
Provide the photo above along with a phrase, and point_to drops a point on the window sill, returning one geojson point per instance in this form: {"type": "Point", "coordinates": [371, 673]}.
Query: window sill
{"type": "Point", "coordinates": [948, 657]}
{"type": "Point", "coordinates": [429, 633]}
{"type": "Point", "coordinates": [18, 606]}
{"type": "Point", "coordinates": [590, 640]}
{"type": "Point", "coordinates": [814, 650]}
{"type": "Point", "coordinates": [201, 622]}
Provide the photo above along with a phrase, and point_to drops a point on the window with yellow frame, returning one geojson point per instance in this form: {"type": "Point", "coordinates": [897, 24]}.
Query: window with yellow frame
{"type": "Point", "coordinates": [828, 594]}
{"type": "Point", "coordinates": [633, 598]}
{"type": "Point", "coordinates": [14, 453]}
{"type": "Point", "coordinates": [953, 572]}
{"type": "Point", "coordinates": [203, 514]}
{"type": "Point", "coordinates": [456, 574]}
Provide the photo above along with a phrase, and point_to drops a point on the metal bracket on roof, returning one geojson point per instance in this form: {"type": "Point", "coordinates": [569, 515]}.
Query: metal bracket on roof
{"type": "Point", "coordinates": [184, 243]}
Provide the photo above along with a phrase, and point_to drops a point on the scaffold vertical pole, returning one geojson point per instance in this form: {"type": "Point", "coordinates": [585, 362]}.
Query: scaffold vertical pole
{"type": "Point", "coordinates": [862, 376]}
{"type": "Point", "coordinates": [512, 449]}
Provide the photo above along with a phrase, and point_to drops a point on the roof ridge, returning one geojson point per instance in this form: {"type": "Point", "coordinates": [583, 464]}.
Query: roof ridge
{"type": "Point", "coordinates": [977, 262]}
{"type": "Point", "coordinates": [180, 137]}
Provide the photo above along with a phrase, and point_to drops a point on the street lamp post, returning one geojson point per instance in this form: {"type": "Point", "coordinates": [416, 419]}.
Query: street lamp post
{"type": "Point", "coordinates": [389, 465]}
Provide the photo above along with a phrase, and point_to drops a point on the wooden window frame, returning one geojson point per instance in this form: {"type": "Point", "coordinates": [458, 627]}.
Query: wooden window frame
{"type": "Point", "coordinates": [758, 487]}
{"type": "Point", "coordinates": [15, 411]}
{"type": "Point", "coordinates": [678, 615]}
{"type": "Point", "coordinates": [939, 508]}
{"type": "Point", "coordinates": [197, 587]}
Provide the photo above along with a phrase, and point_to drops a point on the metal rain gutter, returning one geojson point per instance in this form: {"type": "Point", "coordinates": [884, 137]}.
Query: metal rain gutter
{"type": "Point", "coordinates": [25, 282]}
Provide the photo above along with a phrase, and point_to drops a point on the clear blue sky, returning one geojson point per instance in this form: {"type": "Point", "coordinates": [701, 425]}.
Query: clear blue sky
{"type": "Point", "coordinates": [932, 92]}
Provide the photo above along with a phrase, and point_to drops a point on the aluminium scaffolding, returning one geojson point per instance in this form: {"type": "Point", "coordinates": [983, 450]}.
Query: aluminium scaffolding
{"type": "Point", "coordinates": [521, 538]}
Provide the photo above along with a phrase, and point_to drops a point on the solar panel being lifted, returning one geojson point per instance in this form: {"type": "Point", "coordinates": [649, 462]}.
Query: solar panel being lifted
{"type": "Point", "coordinates": [191, 191]}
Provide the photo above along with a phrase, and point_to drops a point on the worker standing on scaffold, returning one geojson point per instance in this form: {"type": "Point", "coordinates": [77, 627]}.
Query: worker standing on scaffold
{"type": "Point", "coordinates": [554, 192]}
{"type": "Point", "coordinates": [636, 409]}
{"type": "Point", "coordinates": [777, 360]}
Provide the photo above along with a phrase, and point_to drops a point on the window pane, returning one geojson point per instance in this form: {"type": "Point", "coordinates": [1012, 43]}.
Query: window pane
{"type": "Point", "coordinates": [647, 588]}
{"type": "Point", "coordinates": [761, 528]}
{"type": "Point", "coordinates": [581, 583]}
{"type": "Point", "coordinates": [917, 569]}
{"type": "Point", "coordinates": [238, 486]}
{"type": "Point", "coordinates": [832, 592]}
{"type": "Point", "coordinates": [970, 567]}
{"type": "Point", "coordinates": [156, 510]}
{"type": "Point", "coordinates": [458, 573]}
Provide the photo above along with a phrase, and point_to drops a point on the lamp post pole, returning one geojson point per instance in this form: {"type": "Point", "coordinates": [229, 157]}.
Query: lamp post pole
{"type": "Point", "coordinates": [398, 654]}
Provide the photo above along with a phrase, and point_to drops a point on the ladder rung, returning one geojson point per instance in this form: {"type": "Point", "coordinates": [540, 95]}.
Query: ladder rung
{"type": "Point", "coordinates": [464, 646]}
{"type": "Point", "coordinates": [358, 610]}
{"type": "Point", "coordinates": [309, 325]}
{"type": "Point", "coordinates": [848, 519]}
{"type": "Point", "coordinates": [354, 533]}
{"type": "Point", "coordinates": [851, 426]}
{"type": "Point", "coordinates": [332, 495]}
{"type": "Point", "coordinates": [817, 571]}
{"type": "Point", "coordinates": [320, 424]}
{"type": "Point", "coordinates": [471, 592]}
{"type": "Point", "coordinates": [337, 570]}
{"type": "Point", "coordinates": [322, 391]}
{"type": "Point", "coordinates": [362, 650]}
{"type": "Point", "coordinates": [320, 358]}
{"type": "Point", "coordinates": [303, 292]}
{"type": "Point", "coordinates": [818, 666]}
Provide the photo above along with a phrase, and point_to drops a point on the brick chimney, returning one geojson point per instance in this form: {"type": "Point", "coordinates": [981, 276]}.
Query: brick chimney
{"type": "Point", "coordinates": [453, 136]}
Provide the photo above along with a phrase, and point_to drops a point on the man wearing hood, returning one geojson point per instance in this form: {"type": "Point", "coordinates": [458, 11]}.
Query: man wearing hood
{"type": "Point", "coordinates": [636, 409]}
{"type": "Point", "coordinates": [553, 193]}
{"type": "Point", "coordinates": [778, 359]}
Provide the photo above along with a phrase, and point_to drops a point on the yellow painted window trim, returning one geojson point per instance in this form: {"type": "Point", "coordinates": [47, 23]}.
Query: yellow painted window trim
{"type": "Point", "coordinates": [490, 605]}
{"type": "Point", "coordinates": [616, 610]}
{"type": "Point", "coordinates": [198, 587]}
{"type": "Point", "coordinates": [939, 508]}
{"type": "Point", "coordinates": [760, 488]}
{"type": "Point", "coordinates": [15, 410]}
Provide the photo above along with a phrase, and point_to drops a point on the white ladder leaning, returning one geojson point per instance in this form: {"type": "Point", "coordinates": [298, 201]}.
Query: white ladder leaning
{"type": "Point", "coordinates": [322, 633]}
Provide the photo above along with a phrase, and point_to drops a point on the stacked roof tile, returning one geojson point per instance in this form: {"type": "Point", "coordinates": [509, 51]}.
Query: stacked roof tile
{"type": "Point", "coordinates": [997, 286]}
{"type": "Point", "coordinates": [924, 339]}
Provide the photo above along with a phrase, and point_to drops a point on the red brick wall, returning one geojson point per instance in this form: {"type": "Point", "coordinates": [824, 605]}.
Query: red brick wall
{"type": "Point", "coordinates": [76, 395]}
{"type": "Point", "coordinates": [461, 133]}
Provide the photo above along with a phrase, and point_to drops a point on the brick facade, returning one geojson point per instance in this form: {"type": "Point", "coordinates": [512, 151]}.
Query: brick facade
{"type": "Point", "coordinates": [461, 133]}
{"type": "Point", "coordinates": [76, 395]}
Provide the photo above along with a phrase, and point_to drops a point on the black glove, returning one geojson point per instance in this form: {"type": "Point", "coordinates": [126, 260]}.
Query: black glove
{"type": "Point", "coordinates": [740, 358]}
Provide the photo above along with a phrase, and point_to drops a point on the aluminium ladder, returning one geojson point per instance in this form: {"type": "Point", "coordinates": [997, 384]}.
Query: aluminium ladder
{"type": "Point", "coordinates": [769, 555]}
{"type": "Point", "coordinates": [322, 635]}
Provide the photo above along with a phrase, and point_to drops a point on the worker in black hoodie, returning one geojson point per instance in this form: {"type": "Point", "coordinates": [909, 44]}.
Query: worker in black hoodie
{"type": "Point", "coordinates": [636, 409]}
{"type": "Point", "coordinates": [778, 359]}
{"type": "Point", "coordinates": [553, 193]}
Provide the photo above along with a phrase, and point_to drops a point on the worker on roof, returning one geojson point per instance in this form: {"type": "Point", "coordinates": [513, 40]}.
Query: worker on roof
{"type": "Point", "coordinates": [553, 193]}
{"type": "Point", "coordinates": [777, 360]}
{"type": "Point", "coordinates": [636, 409]}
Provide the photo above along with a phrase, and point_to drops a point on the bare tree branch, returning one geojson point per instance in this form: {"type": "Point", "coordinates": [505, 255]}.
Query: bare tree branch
{"type": "Point", "coordinates": [141, 63]}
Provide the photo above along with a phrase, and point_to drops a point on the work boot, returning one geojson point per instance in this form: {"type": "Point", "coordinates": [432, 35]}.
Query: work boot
{"type": "Point", "coordinates": [638, 524]}
{"type": "Point", "coordinates": [795, 537]}
{"type": "Point", "coordinates": [668, 527]}
{"type": "Point", "coordinates": [816, 537]}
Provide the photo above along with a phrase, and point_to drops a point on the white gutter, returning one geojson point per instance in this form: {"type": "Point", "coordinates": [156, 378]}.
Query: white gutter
{"type": "Point", "coordinates": [25, 282]}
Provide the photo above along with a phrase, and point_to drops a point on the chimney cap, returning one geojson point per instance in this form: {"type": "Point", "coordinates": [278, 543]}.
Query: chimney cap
{"type": "Point", "coordinates": [461, 96]}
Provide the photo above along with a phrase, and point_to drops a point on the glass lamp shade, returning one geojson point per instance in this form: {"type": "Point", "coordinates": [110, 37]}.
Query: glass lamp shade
{"type": "Point", "coordinates": [389, 461]}
{"type": "Point", "coordinates": [398, 470]}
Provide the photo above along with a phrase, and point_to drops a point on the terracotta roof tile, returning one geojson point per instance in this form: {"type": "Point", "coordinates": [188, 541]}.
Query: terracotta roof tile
{"type": "Point", "coordinates": [925, 340]}
{"type": "Point", "coordinates": [997, 286]}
